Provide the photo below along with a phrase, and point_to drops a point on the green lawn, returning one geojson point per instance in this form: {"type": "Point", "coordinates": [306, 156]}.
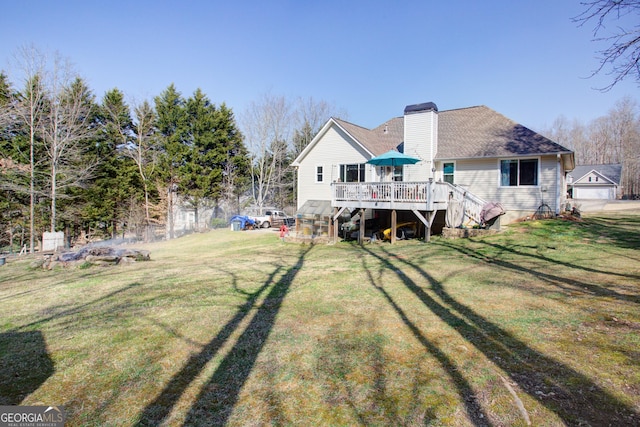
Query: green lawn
{"type": "Point", "coordinates": [540, 322]}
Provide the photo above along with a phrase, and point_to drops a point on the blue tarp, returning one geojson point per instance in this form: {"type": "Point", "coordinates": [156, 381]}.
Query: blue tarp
{"type": "Point", "coordinates": [243, 221]}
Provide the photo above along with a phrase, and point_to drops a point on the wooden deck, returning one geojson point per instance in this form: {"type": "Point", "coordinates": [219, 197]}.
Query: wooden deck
{"type": "Point", "coordinates": [427, 196]}
{"type": "Point", "coordinates": [424, 196]}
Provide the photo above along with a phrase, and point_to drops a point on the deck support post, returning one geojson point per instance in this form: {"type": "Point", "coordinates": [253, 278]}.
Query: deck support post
{"type": "Point", "coordinates": [428, 221]}
{"type": "Point", "coordinates": [336, 223]}
{"type": "Point", "coordinates": [394, 226]}
{"type": "Point", "coordinates": [362, 226]}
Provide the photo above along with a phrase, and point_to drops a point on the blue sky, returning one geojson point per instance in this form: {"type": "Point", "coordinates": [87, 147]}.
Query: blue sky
{"type": "Point", "coordinates": [525, 59]}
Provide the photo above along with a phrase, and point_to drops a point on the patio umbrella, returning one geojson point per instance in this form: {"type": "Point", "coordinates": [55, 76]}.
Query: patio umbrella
{"type": "Point", "coordinates": [393, 158]}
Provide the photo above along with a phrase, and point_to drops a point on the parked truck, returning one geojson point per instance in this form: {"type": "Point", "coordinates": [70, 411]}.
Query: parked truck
{"type": "Point", "coordinates": [274, 218]}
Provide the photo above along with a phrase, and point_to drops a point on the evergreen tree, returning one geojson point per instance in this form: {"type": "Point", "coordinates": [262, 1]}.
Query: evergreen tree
{"type": "Point", "coordinates": [236, 163]}
{"type": "Point", "coordinates": [213, 147]}
{"type": "Point", "coordinates": [301, 138]}
{"type": "Point", "coordinates": [12, 202]}
{"type": "Point", "coordinates": [114, 185]}
{"type": "Point", "coordinates": [201, 172]}
{"type": "Point", "coordinates": [171, 123]}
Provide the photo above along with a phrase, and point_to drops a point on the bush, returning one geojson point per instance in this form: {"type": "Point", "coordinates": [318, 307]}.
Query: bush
{"type": "Point", "coordinates": [218, 223]}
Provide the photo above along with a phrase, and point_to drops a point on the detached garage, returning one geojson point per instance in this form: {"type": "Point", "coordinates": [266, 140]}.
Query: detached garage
{"type": "Point", "coordinates": [594, 182]}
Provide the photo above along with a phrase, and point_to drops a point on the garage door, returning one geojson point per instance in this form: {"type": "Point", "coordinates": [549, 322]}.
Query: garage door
{"type": "Point", "coordinates": [593, 193]}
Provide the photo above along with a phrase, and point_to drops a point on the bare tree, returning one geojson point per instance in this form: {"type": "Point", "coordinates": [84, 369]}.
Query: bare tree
{"type": "Point", "coordinates": [625, 133]}
{"type": "Point", "coordinates": [622, 55]}
{"type": "Point", "coordinates": [29, 108]}
{"type": "Point", "coordinates": [309, 116]}
{"type": "Point", "coordinates": [143, 150]}
{"type": "Point", "coordinates": [65, 129]}
{"type": "Point", "coordinates": [267, 127]}
{"type": "Point", "coordinates": [610, 139]}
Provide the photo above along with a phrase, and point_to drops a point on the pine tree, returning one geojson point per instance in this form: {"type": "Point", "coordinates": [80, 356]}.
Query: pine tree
{"type": "Point", "coordinates": [171, 123]}
{"type": "Point", "coordinates": [114, 185]}
{"type": "Point", "coordinates": [236, 161]}
{"type": "Point", "coordinates": [12, 173]}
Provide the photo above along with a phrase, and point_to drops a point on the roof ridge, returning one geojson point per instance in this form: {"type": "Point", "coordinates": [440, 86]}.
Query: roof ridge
{"type": "Point", "coordinates": [350, 123]}
{"type": "Point", "coordinates": [466, 108]}
{"type": "Point", "coordinates": [388, 121]}
{"type": "Point", "coordinates": [602, 164]}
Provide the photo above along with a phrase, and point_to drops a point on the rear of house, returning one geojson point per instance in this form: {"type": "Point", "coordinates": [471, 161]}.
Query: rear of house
{"type": "Point", "coordinates": [500, 160]}
{"type": "Point", "coordinates": [476, 149]}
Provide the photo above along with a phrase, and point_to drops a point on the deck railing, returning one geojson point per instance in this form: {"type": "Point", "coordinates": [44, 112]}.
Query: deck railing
{"type": "Point", "coordinates": [391, 192]}
{"type": "Point", "coordinates": [423, 195]}
{"type": "Point", "coordinates": [472, 204]}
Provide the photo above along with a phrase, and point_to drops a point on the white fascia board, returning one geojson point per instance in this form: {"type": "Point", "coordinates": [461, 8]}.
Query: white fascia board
{"type": "Point", "coordinates": [313, 142]}
{"type": "Point", "coordinates": [513, 156]}
{"type": "Point", "coordinates": [583, 178]}
{"type": "Point", "coordinates": [319, 136]}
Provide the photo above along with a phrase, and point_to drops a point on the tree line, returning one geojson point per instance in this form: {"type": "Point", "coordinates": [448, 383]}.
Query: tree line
{"type": "Point", "coordinates": [611, 139]}
{"type": "Point", "coordinates": [102, 168]}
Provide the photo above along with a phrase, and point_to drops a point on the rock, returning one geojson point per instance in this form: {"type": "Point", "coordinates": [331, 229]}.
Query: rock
{"type": "Point", "coordinates": [52, 265]}
{"type": "Point", "coordinates": [135, 254]}
{"type": "Point", "coordinates": [38, 263]}
{"type": "Point", "coordinates": [95, 255]}
{"type": "Point", "coordinates": [102, 259]}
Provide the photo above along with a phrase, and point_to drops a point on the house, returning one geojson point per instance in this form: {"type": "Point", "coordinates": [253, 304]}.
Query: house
{"type": "Point", "coordinates": [470, 155]}
{"type": "Point", "coordinates": [595, 182]}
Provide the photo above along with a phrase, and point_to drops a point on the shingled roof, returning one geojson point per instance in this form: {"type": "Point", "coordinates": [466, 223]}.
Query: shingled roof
{"type": "Point", "coordinates": [465, 133]}
{"type": "Point", "coordinates": [475, 132]}
{"type": "Point", "coordinates": [612, 172]}
{"type": "Point", "coordinates": [385, 137]}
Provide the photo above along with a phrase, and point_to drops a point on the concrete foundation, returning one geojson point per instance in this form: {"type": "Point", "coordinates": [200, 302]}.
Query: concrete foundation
{"type": "Point", "coordinates": [457, 233]}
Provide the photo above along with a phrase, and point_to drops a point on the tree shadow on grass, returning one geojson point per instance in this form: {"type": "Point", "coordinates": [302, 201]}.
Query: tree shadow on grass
{"type": "Point", "coordinates": [25, 365]}
{"type": "Point", "coordinates": [622, 231]}
{"type": "Point", "coordinates": [216, 401]}
{"type": "Point", "coordinates": [62, 312]}
{"type": "Point", "coordinates": [474, 410]}
{"type": "Point", "coordinates": [575, 398]}
{"type": "Point", "coordinates": [563, 283]}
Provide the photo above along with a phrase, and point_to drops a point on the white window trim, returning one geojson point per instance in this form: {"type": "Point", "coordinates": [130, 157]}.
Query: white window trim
{"type": "Point", "coordinates": [518, 159]}
{"type": "Point", "coordinates": [315, 174]}
{"type": "Point", "coordinates": [340, 166]}
{"type": "Point", "coordinates": [455, 167]}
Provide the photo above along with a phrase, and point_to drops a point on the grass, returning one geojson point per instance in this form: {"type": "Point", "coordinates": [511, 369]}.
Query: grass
{"type": "Point", "coordinates": [238, 328]}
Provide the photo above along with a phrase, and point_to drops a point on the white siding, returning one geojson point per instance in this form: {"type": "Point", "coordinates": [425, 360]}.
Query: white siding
{"type": "Point", "coordinates": [334, 148]}
{"type": "Point", "coordinates": [482, 178]}
{"type": "Point", "coordinates": [592, 179]}
{"type": "Point", "coordinates": [420, 140]}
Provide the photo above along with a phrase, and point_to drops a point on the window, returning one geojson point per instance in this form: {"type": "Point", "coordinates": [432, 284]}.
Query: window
{"type": "Point", "coordinates": [398, 173]}
{"type": "Point", "coordinates": [319, 173]}
{"type": "Point", "coordinates": [515, 173]}
{"type": "Point", "coordinates": [352, 173]}
{"type": "Point", "coordinates": [447, 172]}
